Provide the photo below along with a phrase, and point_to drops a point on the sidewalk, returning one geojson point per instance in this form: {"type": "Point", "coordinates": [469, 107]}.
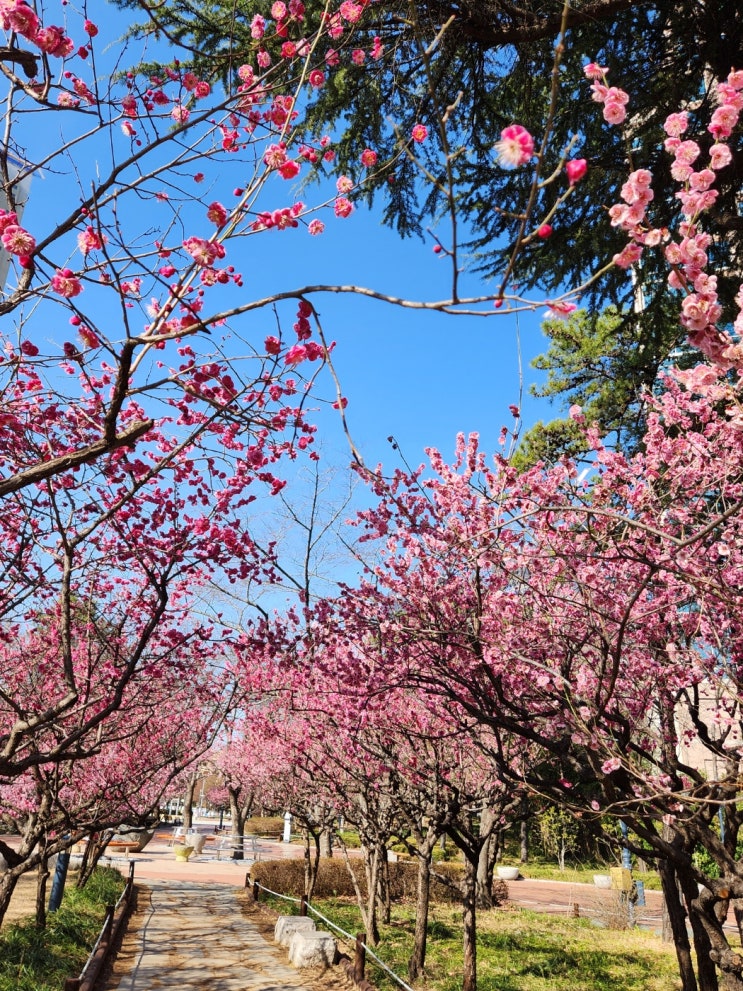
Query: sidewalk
{"type": "Point", "coordinates": [190, 936]}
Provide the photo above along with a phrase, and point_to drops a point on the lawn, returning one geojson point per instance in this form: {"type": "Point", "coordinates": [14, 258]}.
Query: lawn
{"type": "Point", "coordinates": [518, 950]}
{"type": "Point", "coordinates": [33, 960]}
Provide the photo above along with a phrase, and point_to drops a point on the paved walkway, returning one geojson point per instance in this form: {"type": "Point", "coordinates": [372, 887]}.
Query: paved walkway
{"type": "Point", "coordinates": [188, 935]}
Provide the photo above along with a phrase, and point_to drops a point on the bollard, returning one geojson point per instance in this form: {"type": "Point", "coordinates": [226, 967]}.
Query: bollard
{"type": "Point", "coordinates": [256, 891]}
{"type": "Point", "coordinates": [359, 959]}
{"type": "Point", "coordinates": [303, 905]}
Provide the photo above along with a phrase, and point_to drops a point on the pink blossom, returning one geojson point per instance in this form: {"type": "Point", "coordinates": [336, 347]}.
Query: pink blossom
{"type": "Point", "coordinates": [18, 241]}
{"type": "Point", "coordinates": [275, 155]}
{"type": "Point", "coordinates": [289, 170]}
{"type": "Point", "coordinates": [53, 41]}
{"type": "Point", "coordinates": [128, 129]}
{"type": "Point", "coordinates": [350, 11]}
{"type": "Point", "coordinates": [576, 169]}
{"type": "Point", "coordinates": [515, 148]}
{"type": "Point", "coordinates": [288, 50]}
{"type": "Point", "coordinates": [65, 99]}
{"type": "Point", "coordinates": [676, 124]}
{"type": "Point", "coordinates": [65, 282]}
{"type": "Point", "coordinates": [203, 252]}
{"type": "Point", "coordinates": [296, 354]}
{"type": "Point", "coordinates": [90, 29]}
{"type": "Point", "coordinates": [687, 152]}
{"type": "Point", "coordinates": [180, 114]}
{"type": "Point", "coordinates": [129, 106]}
{"type": "Point", "coordinates": [723, 121]}
{"type": "Point", "coordinates": [358, 56]}
{"type": "Point", "coordinates": [344, 184]}
{"type": "Point", "coordinates": [561, 308]}
{"type": "Point", "coordinates": [317, 78]}
{"type": "Point", "coordinates": [614, 112]}
{"type": "Point", "coordinates": [278, 10]}
{"type": "Point", "coordinates": [419, 133]}
{"type": "Point", "coordinates": [202, 89]}
{"type": "Point", "coordinates": [89, 240]}
{"type": "Point", "coordinates": [630, 254]}
{"type": "Point", "coordinates": [263, 59]}
{"type": "Point", "coordinates": [377, 49]}
{"type": "Point", "coordinates": [21, 19]}
{"type": "Point", "coordinates": [368, 158]}
{"type": "Point", "coordinates": [719, 156]}
{"type": "Point", "coordinates": [544, 230]}
{"type": "Point", "coordinates": [272, 345]}
{"type": "Point", "coordinates": [343, 207]}
{"type": "Point", "coordinates": [315, 227]}
{"type": "Point", "coordinates": [217, 214]}
{"type": "Point", "coordinates": [594, 71]}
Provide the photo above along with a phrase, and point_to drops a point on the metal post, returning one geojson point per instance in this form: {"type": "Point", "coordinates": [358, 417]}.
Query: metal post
{"type": "Point", "coordinates": [626, 856]}
{"type": "Point", "coordinates": [60, 876]}
{"type": "Point", "coordinates": [359, 958]}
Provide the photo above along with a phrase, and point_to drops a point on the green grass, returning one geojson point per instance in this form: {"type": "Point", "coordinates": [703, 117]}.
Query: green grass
{"type": "Point", "coordinates": [34, 960]}
{"type": "Point", "coordinates": [518, 950]}
{"type": "Point", "coordinates": [578, 874]}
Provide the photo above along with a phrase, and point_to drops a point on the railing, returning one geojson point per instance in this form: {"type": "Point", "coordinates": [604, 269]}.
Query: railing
{"type": "Point", "coordinates": [355, 968]}
{"type": "Point", "coordinates": [112, 924]}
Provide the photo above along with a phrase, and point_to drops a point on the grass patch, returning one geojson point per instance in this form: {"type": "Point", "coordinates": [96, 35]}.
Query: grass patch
{"type": "Point", "coordinates": [578, 874]}
{"type": "Point", "coordinates": [518, 950]}
{"type": "Point", "coordinates": [34, 960]}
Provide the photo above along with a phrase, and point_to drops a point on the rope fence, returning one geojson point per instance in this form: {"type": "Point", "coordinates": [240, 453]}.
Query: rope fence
{"type": "Point", "coordinates": [362, 950]}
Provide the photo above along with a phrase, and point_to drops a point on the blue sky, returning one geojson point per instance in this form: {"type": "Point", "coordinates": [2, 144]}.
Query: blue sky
{"type": "Point", "coordinates": [420, 377]}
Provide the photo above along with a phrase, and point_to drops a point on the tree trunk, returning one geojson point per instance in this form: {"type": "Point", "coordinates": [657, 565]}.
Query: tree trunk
{"type": "Point", "coordinates": [524, 836]}
{"type": "Point", "coordinates": [93, 851]}
{"type": "Point", "coordinates": [188, 804]}
{"type": "Point", "coordinates": [371, 866]}
{"type": "Point", "coordinates": [238, 825]}
{"type": "Point", "coordinates": [469, 922]}
{"type": "Point", "coordinates": [418, 960]}
{"type": "Point", "coordinates": [311, 863]}
{"type": "Point", "coordinates": [326, 842]}
{"type": "Point", "coordinates": [486, 861]}
{"type": "Point", "coordinates": [674, 918]}
{"type": "Point", "coordinates": [42, 876]}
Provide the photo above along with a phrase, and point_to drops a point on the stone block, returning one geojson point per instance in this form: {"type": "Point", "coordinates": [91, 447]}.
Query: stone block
{"type": "Point", "coordinates": [287, 925]}
{"type": "Point", "coordinates": [312, 949]}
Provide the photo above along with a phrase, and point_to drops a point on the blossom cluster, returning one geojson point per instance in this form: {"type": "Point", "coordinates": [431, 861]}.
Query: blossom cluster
{"type": "Point", "coordinates": [688, 254]}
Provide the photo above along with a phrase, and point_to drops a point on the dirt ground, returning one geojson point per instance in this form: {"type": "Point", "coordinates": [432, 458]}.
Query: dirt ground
{"type": "Point", "coordinates": [23, 903]}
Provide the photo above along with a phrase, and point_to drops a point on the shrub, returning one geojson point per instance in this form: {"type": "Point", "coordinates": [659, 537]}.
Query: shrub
{"type": "Point", "coordinates": [286, 877]}
{"type": "Point", "coordinates": [272, 826]}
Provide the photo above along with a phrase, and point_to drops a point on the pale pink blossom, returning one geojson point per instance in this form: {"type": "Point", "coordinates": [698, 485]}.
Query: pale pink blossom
{"type": "Point", "coordinates": [315, 227]}
{"type": "Point", "coordinates": [515, 148]}
{"type": "Point", "coordinates": [594, 71]}
{"type": "Point", "coordinates": [344, 184]}
{"type": "Point", "coordinates": [629, 254]}
{"type": "Point", "coordinates": [676, 124]}
{"type": "Point", "coordinates": [719, 156]}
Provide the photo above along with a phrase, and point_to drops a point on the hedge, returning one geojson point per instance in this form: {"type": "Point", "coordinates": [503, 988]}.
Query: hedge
{"type": "Point", "coordinates": [286, 877]}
